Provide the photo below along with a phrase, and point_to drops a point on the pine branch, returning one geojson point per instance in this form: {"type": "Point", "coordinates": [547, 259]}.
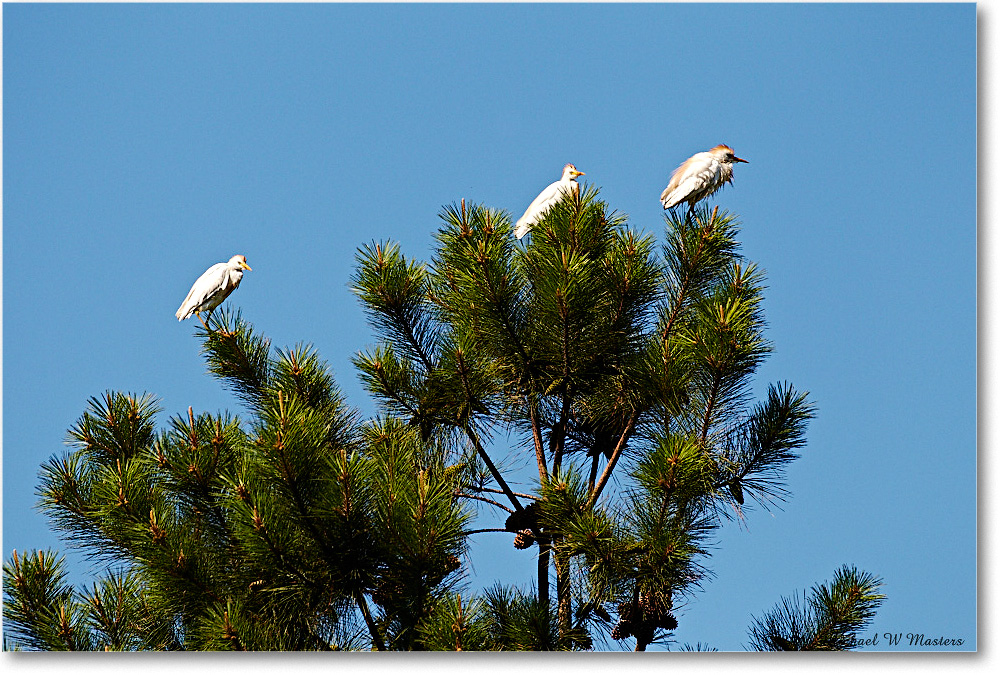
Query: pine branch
{"type": "Point", "coordinates": [395, 292]}
{"type": "Point", "coordinates": [474, 271]}
{"type": "Point", "coordinates": [116, 614]}
{"type": "Point", "coordinates": [844, 608]}
{"type": "Point", "coordinates": [40, 608]}
{"type": "Point", "coordinates": [477, 488]}
{"type": "Point", "coordinates": [292, 478]}
{"type": "Point", "coordinates": [694, 257]}
{"type": "Point", "coordinates": [829, 619]}
{"type": "Point", "coordinates": [606, 475]}
{"type": "Point", "coordinates": [497, 476]}
{"type": "Point", "coordinates": [760, 448]}
{"type": "Point", "coordinates": [372, 627]}
{"type": "Point", "coordinates": [486, 501]}
{"type": "Point", "coordinates": [536, 434]}
{"type": "Point", "coordinates": [237, 356]}
{"type": "Point", "coordinates": [391, 380]}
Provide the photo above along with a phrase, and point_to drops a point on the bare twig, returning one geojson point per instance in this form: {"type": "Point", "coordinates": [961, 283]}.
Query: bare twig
{"type": "Point", "coordinates": [613, 460]}
{"type": "Point", "coordinates": [484, 499]}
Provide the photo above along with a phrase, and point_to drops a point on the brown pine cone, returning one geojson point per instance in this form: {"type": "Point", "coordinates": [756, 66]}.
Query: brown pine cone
{"type": "Point", "coordinates": [523, 540]}
{"type": "Point", "coordinates": [666, 620]}
{"type": "Point", "coordinates": [622, 630]}
{"type": "Point", "coordinates": [644, 632]}
{"type": "Point", "coordinates": [514, 522]}
{"type": "Point", "coordinates": [525, 519]}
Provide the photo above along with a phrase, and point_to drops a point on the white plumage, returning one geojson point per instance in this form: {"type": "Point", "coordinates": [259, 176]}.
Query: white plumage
{"type": "Point", "coordinates": [549, 196]}
{"type": "Point", "coordinates": [212, 288]}
{"type": "Point", "coordinates": [700, 176]}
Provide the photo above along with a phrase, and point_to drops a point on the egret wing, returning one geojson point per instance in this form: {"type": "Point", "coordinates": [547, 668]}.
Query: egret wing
{"type": "Point", "coordinates": [210, 283]}
{"type": "Point", "coordinates": [542, 203]}
{"type": "Point", "coordinates": [699, 173]}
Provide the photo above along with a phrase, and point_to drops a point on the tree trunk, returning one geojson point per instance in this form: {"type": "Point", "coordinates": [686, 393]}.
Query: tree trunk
{"type": "Point", "coordinates": [543, 573]}
{"type": "Point", "coordinates": [564, 596]}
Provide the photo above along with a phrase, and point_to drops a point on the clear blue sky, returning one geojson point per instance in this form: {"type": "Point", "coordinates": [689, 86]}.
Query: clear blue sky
{"type": "Point", "coordinates": [142, 144]}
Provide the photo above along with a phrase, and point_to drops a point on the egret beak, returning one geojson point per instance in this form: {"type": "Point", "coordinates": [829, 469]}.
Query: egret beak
{"type": "Point", "coordinates": [579, 173]}
{"type": "Point", "coordinates": [245, 266]}
{"type": "Point", "coordinates": [737, 159]}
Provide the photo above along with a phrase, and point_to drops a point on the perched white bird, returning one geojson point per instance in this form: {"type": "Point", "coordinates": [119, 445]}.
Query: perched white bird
{"type": "Point", "coordinates": [212, 288]}
{"type": "Point", "coordinates": [549, 196]}
{"type": "Point", "coordinates": [700, 176]}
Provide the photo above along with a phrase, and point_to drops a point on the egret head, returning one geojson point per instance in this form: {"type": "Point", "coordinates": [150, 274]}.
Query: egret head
{"type": "Point", "coordinates": [240, 261]}
{"type": "Point", "coordinates": [570, 172]}
{"type": "Point", "coordinates": [725, 154]}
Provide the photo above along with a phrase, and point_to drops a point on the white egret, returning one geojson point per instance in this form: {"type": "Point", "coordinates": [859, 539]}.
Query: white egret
{"type": "Point", "coordinates": [700, 176]}
{"type": "Point", "coordinates": [212, 288]}
{"type": "Point", "coordinates": [549, 196]}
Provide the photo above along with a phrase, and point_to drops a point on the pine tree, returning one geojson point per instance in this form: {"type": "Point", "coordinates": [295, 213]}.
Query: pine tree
{"type": "Point", "coordinates": [596, 350]}
{"type": "Point", "coordinates": [623, 369]}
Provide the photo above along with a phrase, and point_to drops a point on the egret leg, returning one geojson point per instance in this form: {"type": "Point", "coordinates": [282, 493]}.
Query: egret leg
{"type": "Point", "coordinates": [198, 314]}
